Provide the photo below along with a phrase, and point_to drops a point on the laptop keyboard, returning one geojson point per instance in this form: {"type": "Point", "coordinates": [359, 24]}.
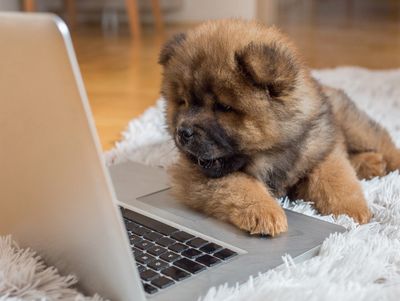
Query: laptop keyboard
{"type": "Point", "coordinates": [166, 255]}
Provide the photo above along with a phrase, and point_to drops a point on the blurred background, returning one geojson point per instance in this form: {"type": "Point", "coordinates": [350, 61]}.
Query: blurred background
{"type": "Point", "coordinates": [117, 41]}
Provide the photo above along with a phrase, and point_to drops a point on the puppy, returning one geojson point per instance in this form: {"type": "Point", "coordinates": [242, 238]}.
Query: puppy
{"type": "Point", "coordinates": [252, 125]}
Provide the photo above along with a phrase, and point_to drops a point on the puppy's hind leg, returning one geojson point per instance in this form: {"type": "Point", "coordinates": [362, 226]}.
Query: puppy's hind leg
{"type": "Point", "coordinates": [237, 198]}
{"type": "Point", "coordinates": [362, 133]}
{"type": "Point", "coordinates": [368, 165]}
{"type": "Point", "coordinates": [334, 188]}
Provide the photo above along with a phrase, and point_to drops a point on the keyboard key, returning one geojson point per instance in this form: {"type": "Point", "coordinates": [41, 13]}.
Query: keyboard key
{"type": "Point", "coordinates": [140, 267]}
{"type": "Point", "coordinates": [182, 236]}
{"type": "Point", "coordinates": [149, 288]}
{"type": "Point", "coordinates": [127, 222]}
{"type": "Point", "coordinates": [170, 256]}
{"type": "Point", "coordinates": [197, 242]}
{"type": "Point", "coordinates": [162, 282]}
{"type": "Point", "coordinates": [225, 254]}
{"type": "Point", "coordinates": [148, 222]}
{"type": "Point", "coordinates": [130, 226]}
{"type": "Point", "coordinates": [208, 260]}
{"type": "Point", "coordinates": [144, 245]}
{"type": "Point", "coordinates": [137, 251]}
{"type": "Point", "coordinates": [189, 265]}
{"type": "Point", "coordinates": [157, 264]}
{"type": "Point", "coordinates": [178, 248]}
{"type": "Point", "coordinates": [148, 275]}
{"type": "Point", "coordinates": [153, 236]}
{"type": "Point", "coordinates": [175, 273]}
{"type": "Point", "coordinates": [210, 248]}
{"type": "Point", "coordinates": [144, 258]}
{"type": "Point", "coordinates": [156, 250]}
{"type": "Point", "coordinates": [191, 253]}
{"type": "Point", "coordinates": [165, 241]}
{"type": "Point", "coordinates": [134, 239]}
{"type": "Point", "coordinates": [140, 231]}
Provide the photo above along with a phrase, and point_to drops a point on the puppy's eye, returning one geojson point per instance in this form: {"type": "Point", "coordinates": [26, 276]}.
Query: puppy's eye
{"type": "Point", "coordinates": [273, 90]}
{"type": "Point", "coordinates": [180, 102]}
{"type": "Point", "coordinates": [222, 107]}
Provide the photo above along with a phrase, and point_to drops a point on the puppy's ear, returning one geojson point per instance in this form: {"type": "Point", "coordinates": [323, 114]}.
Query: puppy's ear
{"type": "Point", "coordinates": [268, 67]}
{"type": "Point", "coordinates": [169, 48]}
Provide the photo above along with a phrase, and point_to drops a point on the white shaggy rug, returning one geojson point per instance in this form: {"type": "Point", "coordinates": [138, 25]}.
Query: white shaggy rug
{"type": "Point", "coordinates": [24, 276]}
{"type": "Point", "coordinates": [361, 264]}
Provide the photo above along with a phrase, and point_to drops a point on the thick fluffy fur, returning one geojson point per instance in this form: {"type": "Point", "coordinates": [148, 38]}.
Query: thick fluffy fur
{"type": "Point", "coordinates": [252, 125]}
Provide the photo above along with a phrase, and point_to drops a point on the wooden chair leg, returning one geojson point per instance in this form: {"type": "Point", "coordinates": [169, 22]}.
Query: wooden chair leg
{"type": "Point", "coordinates": [133, 15]}
{"type": "Point", "coordinates": [158, 19]}
{"type": "Point", "coordinates": [29, 5]}
{"type": "Point", "coordinates": [70, 7]}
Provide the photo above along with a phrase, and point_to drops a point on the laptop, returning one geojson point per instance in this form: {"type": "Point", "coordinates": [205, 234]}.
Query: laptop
{"type": "Point", "coordinates": [118, 230]}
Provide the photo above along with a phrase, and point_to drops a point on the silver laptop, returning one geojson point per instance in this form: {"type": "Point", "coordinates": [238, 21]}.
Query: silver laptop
{"type": "Point", "coordinates": [57, 196]}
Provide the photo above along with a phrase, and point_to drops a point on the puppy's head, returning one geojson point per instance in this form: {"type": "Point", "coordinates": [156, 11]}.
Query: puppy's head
{"type": "Point", "coordinates": [233, 88]}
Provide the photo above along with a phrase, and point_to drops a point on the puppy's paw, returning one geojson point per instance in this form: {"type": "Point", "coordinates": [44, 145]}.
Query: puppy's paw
{"type": "Point", "coordinates": [260, 218]}
{"type": "Point", "coordinates": [360, 215]}
{"type": "Point", "coordinates": [355, 208]}
{"type": "Point", "coordinates": [371, 165]}
{"type": "Point", "coordinates": [393, 161]}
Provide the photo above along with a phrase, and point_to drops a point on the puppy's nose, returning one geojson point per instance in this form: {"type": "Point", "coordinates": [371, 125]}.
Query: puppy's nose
{"type": "Point", "coordinates": [185, 134]}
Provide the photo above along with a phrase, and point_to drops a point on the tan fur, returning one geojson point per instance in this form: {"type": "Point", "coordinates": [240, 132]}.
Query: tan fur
{"type": "Point", "coordinates": [334, 189]}
{"type": "Point", "coordinates": [368, 165]}
{"type": "Point", "coordinates": [237, 198]}
{"type": "Point", "coordinates": [252, 125]}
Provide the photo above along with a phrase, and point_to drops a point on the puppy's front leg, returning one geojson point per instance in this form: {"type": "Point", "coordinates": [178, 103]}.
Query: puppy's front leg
{"type": "Point", "coordinates": [238, 198]}
{"type": "Point", "coordinates": [334, 188]}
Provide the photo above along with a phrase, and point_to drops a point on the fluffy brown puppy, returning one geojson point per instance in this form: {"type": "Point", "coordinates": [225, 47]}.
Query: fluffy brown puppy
{"type": "Point", "coordinates": [252, 125]}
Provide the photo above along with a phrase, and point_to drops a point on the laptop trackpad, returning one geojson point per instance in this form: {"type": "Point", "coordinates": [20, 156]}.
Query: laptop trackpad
{"type": "Point", "coordinates": [132, 180]}
{"type": "Point", "coordinates": [164, 201]}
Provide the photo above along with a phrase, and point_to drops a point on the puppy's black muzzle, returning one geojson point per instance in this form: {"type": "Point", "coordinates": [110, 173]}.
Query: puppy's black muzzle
{"type": "Point", "coordinates": [210, 149]}
{"type": "Point", "coordinates": [185, 135]}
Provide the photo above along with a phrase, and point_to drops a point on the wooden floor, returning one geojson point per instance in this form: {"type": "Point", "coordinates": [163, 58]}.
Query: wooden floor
{"type": "Point", "coordinates": [122, 76]}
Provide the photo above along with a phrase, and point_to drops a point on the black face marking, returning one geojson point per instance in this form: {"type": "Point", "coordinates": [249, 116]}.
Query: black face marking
{"type": "Point", "coordinates": [220, 167]}
{"type": "Point", "coordinates": [195, 100]}
{"type": "Point", "coordinates": [218, 135]}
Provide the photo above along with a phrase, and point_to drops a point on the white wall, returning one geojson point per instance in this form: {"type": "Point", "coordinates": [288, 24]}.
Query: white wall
{"type": "Point", "coordinates": [268, 11]}
{"type": "Point", "coordinates": [175, 11]}
{"type": "Point", "coordinates": [9, 5]}
{"type": "Point", "coordinates": [199, 10]}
